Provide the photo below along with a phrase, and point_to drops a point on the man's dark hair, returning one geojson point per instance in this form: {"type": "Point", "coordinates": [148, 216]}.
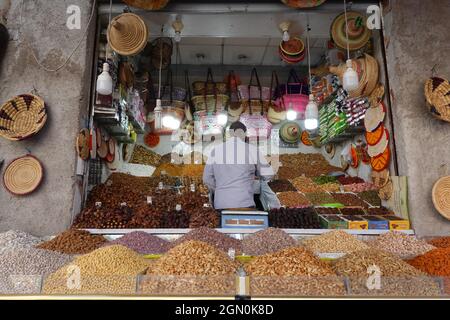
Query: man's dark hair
{"type": "Point", "coordinates": [238, 125]}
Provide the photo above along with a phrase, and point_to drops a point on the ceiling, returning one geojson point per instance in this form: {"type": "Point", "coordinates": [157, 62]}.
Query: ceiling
{"type": "Point", "coordinates": [235, 33]}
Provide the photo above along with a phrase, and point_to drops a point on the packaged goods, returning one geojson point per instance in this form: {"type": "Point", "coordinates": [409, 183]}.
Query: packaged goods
{"type": "Point", "coordinates": [267, 241]}
{"type": "Point", "coordinates": [191, 268]}
{"type": "Point", "coordinates": [334, 242]}
{"type": "Point", "coordinates": [109, 270]}
{"type": "Point", "coordinates": [142, 243]}
{"type": "Point", "coordinates": [400, 245]}
{"type": "Point", "coordinates": [349, 200]}
{"type": "Point", "coordinates": [142, 155]}
{"type": "Point", "coordinates": [293, 199]}
{"type": "Point", "coordinates": [74, 242]}
{"type": "Point", "coordinates": [290, 218]}
{"type": "Point", "coordinates": [212, 237]}
{"type": "Point", "coordinates": [305, 185]}
{"type": "Point", "coordinates": [21, 269]}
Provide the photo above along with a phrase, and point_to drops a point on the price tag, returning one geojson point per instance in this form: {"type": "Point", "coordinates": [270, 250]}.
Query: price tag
{"type": "Point", "coordinates": [161, 185]}
{"type": "Point", "coordinates": [149, 200]}
{"type": "Point", "coordinates": [163, 172]}
{"type": "Point", "coordinates": [232, 253]}
{"type": "Point", "coordinates": [206, 205]}
{"type": "Point", "coordinates": [123, 204]}
{"type": "Point", "coordinates": [98, 204]}
{"type": "Point", "coordinates": [192, 187]}
{"type": "Point", "coordinates": [178, 207]}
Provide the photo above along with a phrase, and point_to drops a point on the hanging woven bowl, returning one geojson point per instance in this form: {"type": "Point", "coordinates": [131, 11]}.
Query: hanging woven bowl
{"type": "Point", "coordinates": [358, 34]}
{"type": "Point", "coordinates": [127, 34]}
{"type": "Point", "coordinates": [298, 4]}
{"type": "Point", "coordinates": [441, 196]}
{"type": "Point", "coordinates": [23, 175]}
{"type": "Point", "coordinates": [147, 4]}
{"type": "Point", "coordinates": [22, 117]}
{"type": "Point", "coordinates": [293, 47]}
{"type": "Point", "coordinates": [437, 94]}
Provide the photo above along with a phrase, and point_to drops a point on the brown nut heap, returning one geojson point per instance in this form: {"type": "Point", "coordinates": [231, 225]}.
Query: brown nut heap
{"type": "Point", "coordinates": [74, 242]}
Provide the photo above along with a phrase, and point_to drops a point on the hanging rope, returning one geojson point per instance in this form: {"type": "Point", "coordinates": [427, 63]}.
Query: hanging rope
{"type": "Point", "coordinates": [346, 29]}
{"type": "Point", "coordinates": [309, 54]}
{"type": "Point", "coordinates": [25, 41]}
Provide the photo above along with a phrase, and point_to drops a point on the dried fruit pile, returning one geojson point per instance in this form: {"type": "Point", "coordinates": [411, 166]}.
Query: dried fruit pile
{"type": "Point", "coordinates": [290, 218]}
{"type": "Point", "coordinates": [310, 165]}
{"type": "Point", "coordinates": [142, 243]}
{"type": "Point", "coordinates": [306, 185]}
{"type": "Point", "coordinates": [320, 198]}
{"type": "Point", "coordinates": [212, 237]}
{"type": "Point", "coordinates": [267, 241]}
{"type": "Point", "coordinates": [349, 200]}
{"type": "Point", "coordinates": [142, 155]}
{"type": "Point", "coordinates": [281, 186]}
{"type": "Point", "coordinates": [336, 241]}
{"type": "Point", "coordinates": [74, 242]}
{"type": "Point", "coordinates": [191, 268]}
{"type": "Point", "coordinates": [109, 270]}
{"type": "Point", "coordinates": [400, 245]}
{"type": "Point", "coordinates": [21, 269]}
{"type": "Point", "coordinates": [293, 199]}
{"type": "Point", "coordinates": [292, 271]}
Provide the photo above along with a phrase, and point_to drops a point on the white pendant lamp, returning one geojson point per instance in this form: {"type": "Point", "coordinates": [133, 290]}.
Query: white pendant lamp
{"type": "Point", "coordinates": [104, 81]}
{"type": "Point", "coordinates": [171, 122]}
{"type": "Point", "coordinates": [350, 78]}
{"type": "Point", "coordinates": [291, 114]}
{"type": "Point", "coordinates": [312, 110]}
{"type": "Point", "coordinates": [222, 118]}
{"type": "Point", "coordinates": [284, 27]}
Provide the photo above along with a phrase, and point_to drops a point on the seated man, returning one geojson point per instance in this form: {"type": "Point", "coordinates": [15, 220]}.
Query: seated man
{"type": "Point", "coordinates": [231, 170]}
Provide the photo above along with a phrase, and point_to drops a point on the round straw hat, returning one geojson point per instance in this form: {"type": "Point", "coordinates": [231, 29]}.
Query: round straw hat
{"type": "Point", "coordinates": [23, 175]}
{"type": "Point", "coordinates": [303, 3]}
{"type": "Point", "coordinates": [127, 34]}
{"type": "Point", "coordinates": [358, 34]}
{"type": "Point", "coordinates": [441, 196]}
{"type": "Point", "coordinates": [147, 4]}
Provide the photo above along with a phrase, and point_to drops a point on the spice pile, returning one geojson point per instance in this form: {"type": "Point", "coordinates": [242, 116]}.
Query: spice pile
{"type": "Point", "coordinates": [142, 155]}
{"type": "Point", "coordinates": [292, 271]}
{"type": "Point", "coordinates": [191, 268]}
{"type": "Point", "coordinates": [335, 241]}
{"type": "Point", "coordinates": [17, 239]}
{"type": "Point", "coordinates": [108, 270]}
{"type": "Point", "coordinates": [212, 237]}
{"type": "Point", "coordinates": [443, 242]}
{"type": "Point", "coordinates": [400, 245]}
{"type": "Point", "coordinates": [293, 199]}
{"type": "Point", "coordinates": [267, 241]}
{"type": "Point", "coordinates": [290, 218]}
{"type": "Point", "coordinates": [74, 242]}
{"type": "Point", "coordinates": [435, 262]}
{"type": "Point", "coordinates": [398, 278]}
{"type": "Point", "coordinates": [142, 243]}
{"type": "Point", "coordinates": [281, 186]}
{"type": "Point", "coordinates": [21, 269]}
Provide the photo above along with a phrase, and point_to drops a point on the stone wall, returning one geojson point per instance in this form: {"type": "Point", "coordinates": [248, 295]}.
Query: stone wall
{"type": "Point", "coordinates": [49, 209]}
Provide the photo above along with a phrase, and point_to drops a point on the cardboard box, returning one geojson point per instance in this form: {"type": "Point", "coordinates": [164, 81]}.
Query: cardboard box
{"type": "Point", "coordinates": [356, 222]}
{"type": "Point", "coordinates": [377, 223]}
{"type": "Point", "coordinates": [396, 223]}
{"type": "Point", "coordinates": [332, 222]}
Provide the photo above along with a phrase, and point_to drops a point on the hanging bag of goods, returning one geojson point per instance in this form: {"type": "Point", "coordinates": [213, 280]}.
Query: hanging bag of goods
{"type": "Point", "coordinates": [209, 95]}
{"type": "Point", "coordinates": [255, 99]}
{"type": "Point", "coordinates": [22, 117]}
{"type": "Point", "coordinates": [147, 4]}
{"type": "Point", "coordinates": [235, 107]}
{"type": "Point", "coordinates": [293, 97]}
{"type": "Point", "coordinates": [299, 4]}
{"type": "Point", "coordinates": [277, 111]}
{"type": "Point", "coordinates": [437, 93]}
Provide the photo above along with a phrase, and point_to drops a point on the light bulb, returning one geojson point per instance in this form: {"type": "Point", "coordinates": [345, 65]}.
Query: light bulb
{"type": "Point", "coordinates": [158, 114]}
{"type": "Point", "coordinates": [177, 36]}
{"type": "Point", "coordinates": [105, 82]}
{"type": "Point", "coordinates": [286, 36]}
{"type": "Point", "coordinates": [291, 115]}
{"type": "Point", "coordinates": [311, 114]}
{"type": "Point", "coordinates": [222, 119]}
{"type": "Point", "coordinates": [171, 122]}
{"type": "Point", "coordinates": [350, 78]}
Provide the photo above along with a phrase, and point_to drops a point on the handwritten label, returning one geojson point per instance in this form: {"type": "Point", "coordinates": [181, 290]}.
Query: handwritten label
{"type": "Point", "coordinates": [149, 200]}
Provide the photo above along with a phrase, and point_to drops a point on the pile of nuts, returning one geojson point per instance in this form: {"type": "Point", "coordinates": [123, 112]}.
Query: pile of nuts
{"type": "Point", "coordinates": [17, 239]}
{"type": "Point", "coordinates": [267, 241]}
{"type": "Point", "coordinates": [310, 165]}
{"type": "Point", "coordinates": [304, 218]}
{"type": "Point", "coordinates": [400, 245]}
{"type": "Point", "coordinates": [212, 237]}
{"type": "Point", "coordinates": [336, 241]}
{"type": "Point", "coordinates": [305, 185]}
{"type": "Point", "coordinates": [293, 199]}
{"type": "Point", "coordinates": [142, 243]}
{"type": "Point", "coordinates": [292, 271]}
{"type": "Point", "coordinates": [191, 268]}
{"type": "Point", "coordinates": [331, 187]}
{"type": "Point", "coordinates": [109, 270]}
{"type": "Point", "coordinates": [74, 242]}
{"type": "Point", "coordinates": [142, 155]}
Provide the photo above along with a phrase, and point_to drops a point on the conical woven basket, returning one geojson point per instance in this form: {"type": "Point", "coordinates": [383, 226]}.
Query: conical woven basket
{"type": "Point", "coordinates": [437, 94]}
{"type": "Point", "coordinates": [441, 196]}
{"type": "Point", "coordinates": [23, 175]}
{"type": "Point", "coordinates": [147, 4]}
{"type": "Point", "coordinates": [127, 34]}
{"type": "Point", "coordinates": [22, 117]}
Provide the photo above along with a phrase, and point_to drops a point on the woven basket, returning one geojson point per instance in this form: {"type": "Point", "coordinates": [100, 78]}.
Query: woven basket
{"type": "Point", "coordinates": [147, 4]}
{"type": "Point", "coordinates": [22, 117]}
{"type": "Point", "coordinates": [437, 94]}
{"type": "Point", "coordinates": [441, 196]}
{"type": "Point", "coordinates": [127, 34]}
{"type": "Point", "coordinates": [23, 175]}
{"type": "Point", "coordinates": [210, 103]}
{"type": "Point", "coordinates": [303, 3]}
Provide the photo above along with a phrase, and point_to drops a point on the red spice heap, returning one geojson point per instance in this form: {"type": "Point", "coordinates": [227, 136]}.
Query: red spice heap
{"type": "Point", "coordinates": [443, 242]}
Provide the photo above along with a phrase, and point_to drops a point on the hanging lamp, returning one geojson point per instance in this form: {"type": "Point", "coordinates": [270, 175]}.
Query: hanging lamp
{"type": "Point", "coordinates": [104, 84]}
{"type": "Point", "coordinates": [158, 109]}
{"type": "Point", "coordinates": [350, 78]}
{"type": "Point", "coordinates": [312, 110]}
